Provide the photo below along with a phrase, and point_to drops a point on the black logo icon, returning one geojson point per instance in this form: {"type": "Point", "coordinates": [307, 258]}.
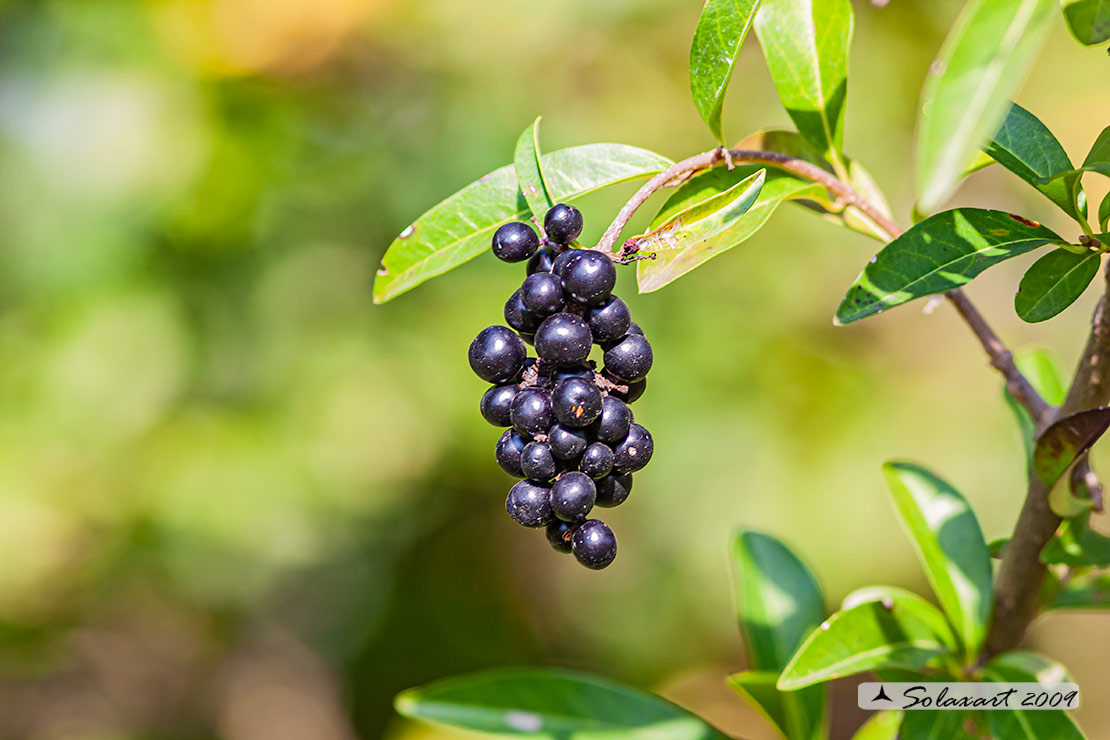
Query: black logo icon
{"type": "Point", "coordinates": [882, 694]}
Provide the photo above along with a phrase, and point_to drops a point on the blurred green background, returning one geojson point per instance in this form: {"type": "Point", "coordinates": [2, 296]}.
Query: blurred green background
{"type": "Point", "coordinates": [238, 501]}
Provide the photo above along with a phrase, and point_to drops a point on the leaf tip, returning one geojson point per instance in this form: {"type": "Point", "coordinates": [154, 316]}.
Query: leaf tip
{"type": "Point", "coordinates": [405, 703]}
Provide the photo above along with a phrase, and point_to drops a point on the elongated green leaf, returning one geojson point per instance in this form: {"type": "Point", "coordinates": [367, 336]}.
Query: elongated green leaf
{"type": "Point", "coordinates": [1016, 724]}
{"type": "Point", "coordinates": [1099, 155]}
{"type": "Point", "coordinates": [950, 546]}
{"type": "Point", "coordinates": [806, 45]}
{"type": "Point", "coordinates": [1087, 592]}
{"type": "Point", "coordinates": [785, 711]}
{"type": "Point", "coordinates": [546, 702]}
{"type": "Point", "coordinates": [903, 631]}
{"type": "Point", "coordinates": [927, 725]}
{"type": "Point", "coordinates": [529, 174]}
{"type": "Point", "coordinates": [697, 234]}
{"type": "Point", "coordinates": [1026, 147]}
{"type": "Point", "coordinates": [460, 228]}
{"type": "Point", "coordinates": [1089, 20]}
{"type": "Point", "coordinates": [722, 28]}
{"type": "Point", "coordinates": [1042, 372]}
{"type": "Point", "coordinates": [1054, 282]}
{"type": "Point", "coordinates": [1059, 445]}
{"type": "Point", "coordinates": [1078, 546]}
{"type": "Point", "coordinates": [882, 726]}
{"type": "Point", "coordinates": [1104, 213]}
{"type": "Point", "coordinates": [945, 251]}
{"type": "Point", "coordinates": [965, 97]}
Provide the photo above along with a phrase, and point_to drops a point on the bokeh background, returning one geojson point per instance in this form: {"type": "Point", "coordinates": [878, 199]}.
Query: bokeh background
{"type": "Point", "coordinates": [238, 501]}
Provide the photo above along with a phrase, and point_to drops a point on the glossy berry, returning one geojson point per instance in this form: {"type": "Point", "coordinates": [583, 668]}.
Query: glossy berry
{"type": "Point", "coordinates": [581, 371]}
{"type": "Point", "coordinates": [629, 359]}
{"type": "Point", "coordinates": [590, 278]}
{"type": "Point", "coordinates": [597, 460]}
{"type": "Point", "coordinates": [519, 317]}
{"type": "Point", "coordinates": [634, 451]}
{"type": "Point", "coordinates": [634, 328]}
{"type": "Point", "coordinates": [515, 242]}
{"type": "Point", "coordinates": [497, 354]}
{"type": "Point", "coordinates": [594, 544]}
{"type": "Point", "coordinates": [567, 443]}
{"type": "Point", "coordinates": [537, 462]}
{"type": "Point", "coordinates": [565, 260]}
{"type": "Point", "coordinates": [635, 390]}
{"type": "Point", "coordinates": [542, 261]}
{"type": "Point", "coordinates": [531, 412]}
{"type": "Point", "coordinates": [564, 340]}
{"type": "Point", "coordinates": [563, 223]}
{"type": "Point", "coordinates": [612, 425]}
{"type": "Point", "coordinates": [559, 534]}
{"type": "Point", "coordinates": [529, 504]}
{"type": "Point", "coordinates": [496, 403]}
{"type": "Point", "coordinates": [613, 489]}
{"type": "Point", "coordinates": [542, 294]}
{"type": "Point", "coordinates": [576, 402]}
{"type": "Point", "coordinates": [509, 448]}
{"type": "Point", "coordinates": [572, 496]}
{"type": "Point", "coordinates": [610, 321]}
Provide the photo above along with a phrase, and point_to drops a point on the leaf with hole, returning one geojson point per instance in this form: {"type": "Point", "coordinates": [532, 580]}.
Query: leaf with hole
{"type": "Point", "coordinates": [1054, 282]}
{"type": "Point", "coordinates": [720, 33]}
{"type": "Point", "coordinates": [460, 227]}
{"type": "Point", "coordinates": [1059, 445]}
{"type": "Point", "coordinates": [529, 174]}
{"type": "Point", "coordinates": [943, 252]}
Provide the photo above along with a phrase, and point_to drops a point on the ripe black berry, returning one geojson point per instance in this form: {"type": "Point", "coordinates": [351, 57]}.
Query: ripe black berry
{"type": "Point", "coordinates": [635, 390]}
{"type": "Point", "coordinates": [629, 359]}
{"type": "Point", "coordinates": [610, 321]}
{"type": "Point", "coordinates": [515, 241]}
{"type": "Point", "coordinates": [580, 371]}
{"type": "Point", "coordinates": [537, 462]}
{"type": "Point", "coordinates": [542, 261]}
{"type": "Point", "coordinates": [519, 317]}
{"type": "Point", "coordinates": [594, 544]}
{"type": "Point", "coordinates": [565, 260]}
{"type": "Point", "coordinates": [530, 411]}
{"type": "Point", "coordinates": [572, 496]}
{"type": "Point", "coordinates": [576, 402]}
{"type": "Point", "coordinates": [634, 451]}
{"type": "Point", "coordinates": [563, 223]}
{"type": "Point", "coordinates": [509, 448]}
{"type": "Point", "coordinates": [497, 354]}
{"type": "Point", "coordinates": [563, 339]}
{"type": "Point", "coordinates": [559, 534]}
{"type": "Point", "coordinates": [529, 504]}
{"type": "Point", "coordinates": [612, 425]}
{"type": "Point", "coordinates": [496, 403]}
{"type": "Point", "coordinates": [634, 328]}
{"type": "Point", "coordinates": [590, 278]}
{"type": "Point", "coordinates": [542, 294]}
{"type": "Point", "coordinates": [567, 443]}
{"type": "Point", "coordinates": [613, 489]}
{"type": "Point", "coordinates": [597, 460]}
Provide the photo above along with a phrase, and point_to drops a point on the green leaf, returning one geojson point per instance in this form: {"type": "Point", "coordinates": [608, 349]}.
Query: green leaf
{"type": "Point", "coordinates": [671, 261]}
{"type": "Point", "coordinates": [966, 94]}
{"type": "Point", "coordinates": [945, 251]}
{"type": "Point", "coordinates": [1104, 213]}
{"type": "Point", "coordinates": [1040, 369]}
{"type": "Point", "coordinates": [1078, 546]}
{"type": "Point", "coordinates": [882, 726]}
{"type": "Point", "coordinates": [929, 725]}
{"type": "Point", "coordinates": [546, 702]}
{"type": "Point", "coordinates": [697, 234]}
{"type": "Point", "coordinates": [806, 45]}
{"type": "Point", "coordinates": [1087, 592]}
{"type": "Point", "coordinates": [1098, 157]}
{"type": "Point", "coordinates": [904, 631]}
{"type": "Point", "coordinates": [785, 711]}
{"type": "Point", "coordinates": [1089, 20]}
{"type": "Point", "coordinates": [720, 33]}
{"type": "Point", "coordinates": [529, 174]}
{"type": "Point", "coordinates": [460, 228]}
{"type": "Point", "coordinates": [950, 546]}
{"type": "Point", "coordinates": [1059, 445]}
{"type": "Point", "coordinates": [1054, 282]}
{"type": "Point", "coordinates": [1071, 496]}
{"type": "Point", "coordinates": [1026, 147]}
{"type": "Point", "coordinates": [997, 547]}
{"type": "Point", "coordinates": [1041, 724]}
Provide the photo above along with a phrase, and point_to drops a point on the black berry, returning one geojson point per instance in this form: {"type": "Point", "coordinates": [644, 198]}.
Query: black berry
{"type": "Point", "coordinates": [496, 403]}
{"type": "Point", "coordinates": [573, 372]}
{"type": "Point", "coordinates": [634, 451]}
{"type": "Point", "coordinates": [559, 534]}
{"type": "Point", "coordinates": [613, 489]}
{"type": "Point", "coordinates": [610, 321]}
{"type": "Point", "coordinates": [634, 328]}
{"type": "Point", "coordinates": [590, 278]}
{"type": "Point", "coordinates": [529, 504]}
{"type": "Point", "coordinates": [531, 412]}
{"type": "Point", "coordinates": [519, 317]}
{"type": "Point", "coordinates": [515, 242]}
{"type": "Point", "coordinates": [629, 359]}
{"type": "Point", "coordinates": [542, 261]}
{"type": "Point", "coordinates": [509, 448]}
{"type": "Point", "coordinates": [537, 462]}
{"type": "Point", "coordinates": [594, 544]}
{"type": "Point", "coordinates": [497, 354]}
{"type": "Point", "coordinates": [563, 223]}
{"type": "Point", "coordinates": [565, 260]}
{"type": "Point", "coordinates": [567, 443]}
{"type": "Point", "coordinates": [596, 462]}
{"type": "Point", "coordinates": [635, 390]}
{"type": "Point", "coordinates": [576, 402]}
{"type": "Point", "coordinates": [542, 294]}
{"type": "Point", "coordinates": [612, 425]}
{"type": "Point", "coordinates": [572, 496]}
{"type": "Point", "coordinates": [563, 339]}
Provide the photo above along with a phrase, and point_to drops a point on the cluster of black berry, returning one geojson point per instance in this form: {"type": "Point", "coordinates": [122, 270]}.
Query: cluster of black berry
{"type": "Point", "coordinates": [572, 437]}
